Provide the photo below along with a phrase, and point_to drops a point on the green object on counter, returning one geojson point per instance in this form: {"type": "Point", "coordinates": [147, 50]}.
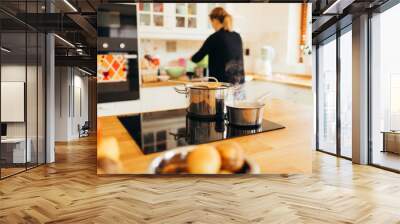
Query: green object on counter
{"type": "Point", "coordinates": [175, 71]}
{"type": "Point", "coordinates": [203, 63]}
{"type": "Point", "coordinates": [190, 66]}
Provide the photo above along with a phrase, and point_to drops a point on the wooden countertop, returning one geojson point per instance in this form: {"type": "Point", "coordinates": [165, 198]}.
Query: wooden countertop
{"type": "Point", "coordinates": [285, 151]}
{"type": "Point", "coordinates": [292, 80]}
{"type": "Point", "coordinates": [158, 84]}
{"type": "Point", "coordinates": [163, 83]}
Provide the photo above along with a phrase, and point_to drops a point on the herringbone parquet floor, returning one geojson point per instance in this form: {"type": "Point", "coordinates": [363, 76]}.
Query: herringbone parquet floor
{"type": "Point", "coordinates": [69, 191]}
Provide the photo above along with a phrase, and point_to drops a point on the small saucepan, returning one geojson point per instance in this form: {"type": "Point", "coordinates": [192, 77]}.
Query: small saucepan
{"type": "Point", "coordinates": [245, 113]}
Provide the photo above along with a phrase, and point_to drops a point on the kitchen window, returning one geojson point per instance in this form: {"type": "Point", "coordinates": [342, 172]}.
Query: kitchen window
{"type": "Point", "coordinates": [334, 94]}
{"type": "Point", "coordinates": [346, 94]}
{"type": "Point", "coordinates": [327, 96]}
{"type": "Point", "coordinates": [385, 89]}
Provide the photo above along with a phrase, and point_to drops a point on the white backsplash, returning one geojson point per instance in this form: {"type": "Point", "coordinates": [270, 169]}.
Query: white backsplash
{"type": "Point", "coordinates": [184, 49]}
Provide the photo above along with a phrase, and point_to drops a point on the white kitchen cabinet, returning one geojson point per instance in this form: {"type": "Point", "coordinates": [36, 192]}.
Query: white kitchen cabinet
{"type": "Point", "coordinates": [151, 99]}
{"type": "Point", "coordinates": [175, 21]}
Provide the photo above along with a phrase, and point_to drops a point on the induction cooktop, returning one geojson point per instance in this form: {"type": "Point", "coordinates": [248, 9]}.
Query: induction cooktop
{"type": "Point", "coordinates": [163, 130]}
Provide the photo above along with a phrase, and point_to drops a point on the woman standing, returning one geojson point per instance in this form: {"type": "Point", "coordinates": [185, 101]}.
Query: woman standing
{"type": "Point", "coordinates": [224, 49]}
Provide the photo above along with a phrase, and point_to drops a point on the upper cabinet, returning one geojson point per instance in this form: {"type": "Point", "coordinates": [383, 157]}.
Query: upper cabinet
{"type": "Point", "coordinates": [186, 15]}
{"type": "Point", "coordinates": [151, 14]}
{"type": "Point", "coordinates": [176, 21]}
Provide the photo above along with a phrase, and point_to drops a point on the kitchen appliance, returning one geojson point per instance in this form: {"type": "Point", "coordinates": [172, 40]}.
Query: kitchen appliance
{"type": "Point", "coordinates": [117, 53]}
{"type": "Point", "coordinates": [202, 130]}
{"type": "Point", "coordinates": [206, 99]}
{"type": "Point", "coordinates": [265, 61]}
{"type": "Point", "coordinates": [163, 130]}
{"type": "Point", "coordinates": [391, 141]}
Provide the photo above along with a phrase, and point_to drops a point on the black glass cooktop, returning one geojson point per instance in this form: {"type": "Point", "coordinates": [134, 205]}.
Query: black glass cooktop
{"type": "Point", "coordinates": [159, 131]}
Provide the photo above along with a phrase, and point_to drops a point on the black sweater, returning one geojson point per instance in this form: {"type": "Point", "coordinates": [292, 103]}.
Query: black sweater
{"type": "Point", "coordinates": [225, 56]}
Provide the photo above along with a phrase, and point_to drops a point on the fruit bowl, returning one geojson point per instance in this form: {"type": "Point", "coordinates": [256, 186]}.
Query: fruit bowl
{"type": "Point", "coordinates": [175, 71]}
{"type": "Point", "coordinates": [178, 156]}
{"type": "Point", "coordinates": [163, 78]}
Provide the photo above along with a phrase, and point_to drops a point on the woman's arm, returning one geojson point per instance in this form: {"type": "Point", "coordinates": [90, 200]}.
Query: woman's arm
{"type": "Point", "coordinates": [204, 50]}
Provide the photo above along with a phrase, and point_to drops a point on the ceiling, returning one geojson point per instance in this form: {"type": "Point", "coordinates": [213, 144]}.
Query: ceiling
{"type": "Point", "coordinates": [332, 15]}
{"type": "Point", "coordinates": [74, 22]}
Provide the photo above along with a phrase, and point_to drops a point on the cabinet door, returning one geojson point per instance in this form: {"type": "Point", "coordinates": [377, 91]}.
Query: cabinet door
{"type": "Point", "coordinates": [151, 14]}
{"type": "Point", "coordinates": [186, 15]}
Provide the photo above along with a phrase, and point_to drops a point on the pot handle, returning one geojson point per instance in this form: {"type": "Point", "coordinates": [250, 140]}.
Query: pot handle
{"type": "Point", "coordinates": [181, 91]}
{"type": "Point", "coordinates": [205, 79]}
{"type": "Point", "coordinates": [208, 78]}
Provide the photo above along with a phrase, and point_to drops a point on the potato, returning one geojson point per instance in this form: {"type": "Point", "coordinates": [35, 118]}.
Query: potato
{"type": "Point", "coordinates": [174, 168]}
{"type": "Point", "coordinates": [232, 156]}
{"type": "Point", "coordinates": [204, 160]}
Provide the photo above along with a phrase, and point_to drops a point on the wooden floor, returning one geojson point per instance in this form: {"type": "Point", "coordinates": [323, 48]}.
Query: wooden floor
{"type": "Point", "coordinates": [70, 192]}
{"type": "Point", "coordinates": [387, 159]}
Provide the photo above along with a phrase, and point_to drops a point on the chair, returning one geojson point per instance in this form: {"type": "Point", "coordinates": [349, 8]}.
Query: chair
{"type": "Point", "coordinates": [84, 129]}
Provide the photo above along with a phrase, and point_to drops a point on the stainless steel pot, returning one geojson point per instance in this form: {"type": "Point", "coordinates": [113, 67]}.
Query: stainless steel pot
{"type": "Point", "coordinates": [245, 113]}
{"type": "Point", "coordinates": [206, 99]}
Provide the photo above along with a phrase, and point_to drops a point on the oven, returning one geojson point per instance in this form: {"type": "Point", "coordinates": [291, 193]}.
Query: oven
{"type": "Point", "coordinates": [117, 53]}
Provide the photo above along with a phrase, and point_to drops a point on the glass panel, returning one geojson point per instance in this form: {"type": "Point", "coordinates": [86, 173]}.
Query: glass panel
{"type": "Point", "coordinates": [158, 20]}
{"type": "Point", "coordinates": [180, 21]}
{"type": "Point", "coordinates": [327, 97]}
{"type": "Point", "coordinates": [31, 99]}
{"type": "Point", "coordinates": [158, 7]}
{"type": "Point", "coordinates": [192, 22]}
{"type": "Point", "coordinates": [181, 9]}
{"type": "Point", "coordinates": [145, 20]}
{"type": "Point", "coordinates": [386, 89]}
{"type": "Point", "coordinates": [13, 79]}
{"type": "Point", "coordinates": [192, 8]}
{"type": "Point", "coordinates": [346, 94]}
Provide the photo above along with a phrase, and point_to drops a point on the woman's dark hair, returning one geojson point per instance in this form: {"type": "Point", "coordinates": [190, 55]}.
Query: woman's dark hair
{"type": "Point", "coordinates": [223, 17]}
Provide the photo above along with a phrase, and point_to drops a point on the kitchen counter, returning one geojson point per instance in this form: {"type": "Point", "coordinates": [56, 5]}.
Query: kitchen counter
{"type": "Point", "coordinates": [285, 151]}
{"type": "Point", "coordinates": [163, 83]}
{"type": "Point", "coordinates": [292, 80]}
{"type": "Point", "coordinates": [158, 84]}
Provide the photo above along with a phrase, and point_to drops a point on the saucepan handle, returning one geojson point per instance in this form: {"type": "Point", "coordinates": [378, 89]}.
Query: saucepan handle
{"type": "Point", "coordinates": [211, 78]}
{"type": "Point", "coordinates": [182, 91]}
{"type": "Point", "coordinates": [205, 79]}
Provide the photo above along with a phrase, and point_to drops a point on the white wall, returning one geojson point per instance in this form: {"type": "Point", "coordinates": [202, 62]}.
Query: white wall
{"type": "Point", "coordinates": [69, 82]}
{"type": "Point", "coordinates": [184, 49]}
{"type": "Point", "coordinates": [276, 25]}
